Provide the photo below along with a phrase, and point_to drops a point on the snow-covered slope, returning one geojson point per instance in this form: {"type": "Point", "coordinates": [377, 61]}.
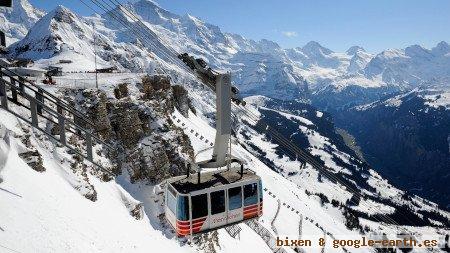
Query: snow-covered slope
{"type": "Point", "coordinates": [16, 21]}
{"type": "Point", "coordinates": [52, 216]}
{"type": "Point", "coordinates": [323, 205]}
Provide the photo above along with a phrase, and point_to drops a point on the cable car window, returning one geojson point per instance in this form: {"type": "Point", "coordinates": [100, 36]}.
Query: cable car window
{"type": "Point", "coordinates": [183, 208]}
{"type": "Point", "coordinates": [235, 198]}
{"type": "Point", "coordinates": [217, 202]}
{"type": "Point", "coordinates": [260, 191]}
{"type": "Point", "coordinates": [199, 206]}
{"type": "Point", "coordinates": [171, 202]}
{"type": "Point", "coordinates": [250, 194]}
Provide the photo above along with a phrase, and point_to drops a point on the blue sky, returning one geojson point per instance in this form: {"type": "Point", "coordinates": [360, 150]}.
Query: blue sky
{"type": "Point", "coordinates": [339, 24]}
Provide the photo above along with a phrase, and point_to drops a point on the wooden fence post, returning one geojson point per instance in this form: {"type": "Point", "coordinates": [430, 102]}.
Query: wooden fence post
{"type": "Point", "coordinates": [89, 146]}
{"type": "Point", "coordinates": [40, 100]}
{"type": "Point", "coordinates": [3, 95]}
{"type": "Point", "coordinates": [21, 86]}
{"type": "Point", "coordinates": [62, 129]}
{"type": "Point", "coordinates": [33, 110]}
{"type": "Point", "coordinates": [13, 90]}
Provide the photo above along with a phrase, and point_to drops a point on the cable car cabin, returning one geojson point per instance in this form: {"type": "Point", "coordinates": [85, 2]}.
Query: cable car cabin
{"type": "Point", "coordinates": [220, 199]}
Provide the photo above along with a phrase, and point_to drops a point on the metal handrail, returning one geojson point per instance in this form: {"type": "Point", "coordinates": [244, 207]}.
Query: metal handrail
{"type": "Point", "coordinates": [37, 106]}
{"type": "Point", "coordinates": [56, 113]}
{"type": "Point", "coordinates": [55, 100]}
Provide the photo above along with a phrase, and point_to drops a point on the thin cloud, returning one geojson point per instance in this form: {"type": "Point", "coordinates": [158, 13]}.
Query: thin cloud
{"type": "Point", "coordinates": [290, 34]}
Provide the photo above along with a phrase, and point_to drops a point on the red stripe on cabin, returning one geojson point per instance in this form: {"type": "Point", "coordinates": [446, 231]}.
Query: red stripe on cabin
{"type": "Point", "coordinates": [250, 206]}
{"type": "Point", "coordinates": [183, 226]}
{"type": "Point", "coordinates": [198, 225]}
{"type": "Point", "coordinates": [198, 221]}
{"type": "Point", "coordinates": [246, 216]}
{"type": "Point", "coordinates": [187, 231]}
{"type": "Point", "coordinates": [251, 209]}
{"type": "Point", "coordinates": [202, 218]}
{"type": "Point", "coordinates": [184, 230]}
{"type": "Point", "coordinates": [183, 233]}
{"type": "Point", "coordinates": [196, 230]}
{"type": "Point", "coordinates": [183, 222]}
{"type": "Point", "coordinates": [250, 215]}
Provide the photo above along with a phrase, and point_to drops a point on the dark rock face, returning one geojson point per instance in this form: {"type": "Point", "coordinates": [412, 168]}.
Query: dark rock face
{"type": "Point", "coordinates": [126, 123]}
{"type": "Point", "coordinates": [94, 103]}
{"type": "Point", "coordinates": [149, 146]}
{"type": "Point", "coordinates": [151, 163]}
{"type": "Point", "coordinates": [182, 101]}
{"type": "Point", "coordinates": [121, 91]}
{"type": "Point", "coordinates": [152, 85]}
{"type": "Point", "coordinates": [34, 160]}
{"type": "Point", "coordinates": [83, 185]}
{"type": "Point", "coordinates": [137, 212]}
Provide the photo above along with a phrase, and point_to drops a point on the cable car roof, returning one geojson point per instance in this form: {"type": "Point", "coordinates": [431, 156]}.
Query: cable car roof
{"type": "Point", "coordinates": [211, 179]}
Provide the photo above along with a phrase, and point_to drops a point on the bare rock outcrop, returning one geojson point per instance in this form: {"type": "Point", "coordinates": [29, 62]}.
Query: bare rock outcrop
{"type": "Point", "coordinates": [34, 160]}
{"type": "Point", "coordinates": [95, 104]}
{"type": "Point", "coordinates": [121, 91]}
{"type": "Point", "coordinates": [181, 100]}
{"type": "Point", "coordinates": [149, 146]}
{"type": "Point", "coordinates": [154, 85]}
{"type": "Point", "coordinates": [126, 123]}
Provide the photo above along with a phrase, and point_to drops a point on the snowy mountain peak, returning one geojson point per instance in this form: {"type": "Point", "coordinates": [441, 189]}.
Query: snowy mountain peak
{"type": "Point", "coordinates": [391, 54]}
{"type": "Point", "coordinates": [57, 31]}
{"type": "Point", "coordinates": [151, 12]}
{"type": "Point", "coordinates": [418, 51]}
{"type": "Point", "coordinates": [268, 45]}
{"type": "Point", "coordinates": [20, 9]}
{"type": "Point", "coordinates": [62, 14]}
{"type": "Point", "coordinates": [355, 49]}
{"type": "Point", "coordinates": [194, 19]}
{"type": "Point", "coordinates": [442, 48]}
{"type": "Point", "coordinates": [16, 21]}
{"type": "Point", "coordinates": [314, 47]}
{"type": "Point", "coordinates": [149, 2]}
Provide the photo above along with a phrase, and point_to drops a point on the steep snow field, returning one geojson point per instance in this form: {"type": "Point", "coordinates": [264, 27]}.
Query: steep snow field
{"type": "Point", "coordinates": [46, 212]}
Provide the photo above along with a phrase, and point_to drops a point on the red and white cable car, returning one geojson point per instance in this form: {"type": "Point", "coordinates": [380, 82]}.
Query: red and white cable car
{"type": "Point", "coordinates": [220, 199]}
